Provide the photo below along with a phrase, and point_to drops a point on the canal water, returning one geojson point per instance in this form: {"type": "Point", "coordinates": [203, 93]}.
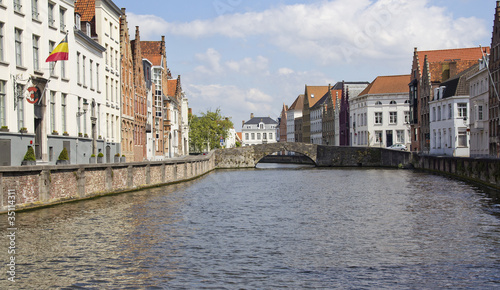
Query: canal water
{"type": "Point", "coordinates": [270, 228]}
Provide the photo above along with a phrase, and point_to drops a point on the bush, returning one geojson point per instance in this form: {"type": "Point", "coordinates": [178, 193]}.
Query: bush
{"type": "Point", "coordinates": [100, 154]}
{"type": "Point", "coordinates": [123, 155]}
{"type": "Point", "coordinates": [117, 155]}
{"type": "Point", "coordinates": [64, 155]}
{"type": "Point", "coordinates": [30, 154]}
{"type": "Point", "coordinates": [93, 155]}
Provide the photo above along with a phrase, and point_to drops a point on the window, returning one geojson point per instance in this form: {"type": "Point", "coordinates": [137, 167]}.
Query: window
{"type": "Point", "coordinates": [479, 112]}
{"type": "Point", "coordinates": [106, 54]}
{"type": "Point", "coordinates": [393, 103]}
{"type": "Point", "coordinates": [111, 56]}
{"type": "Point", "coordinates": [439, 114]}
{"type": "Point", "coordinates": [462, 138]}
{"type": "Point", "coordinates": [407, 117]}
{"type": "Point", "coordinates": [378, 103]}
{"type": "Point", "coordinates": [378, 136]}
{"type": "Point", "coordinates": [462, 110]}
{"type": "Point", "coordinates": [97, 76]}
{"type": "Point", "coordinates": [63, 112]}
{"type": "Point", "coordinates": [439, 140]}
{"type": "Point", "coordinates": [91, 63]}
{"type": "Point", "coordinates": [116, 59]}
{"type": "Point", "coordinates": [52, 64]}
{"type": "Point", "coordinates": [3, 119]}
{"type": "Point", "coordinates": [34, 9]}
{"type": "Point", "coordinates": [84, 61]}
{"type": "Point", "coordinates": [84, 120]}
{"type": "Point", "coordinates": [264, 136]}
{"type": "Point", "coordinates": [52, 111]}
{"type": "Point", "coordinates": [258, 136]}
{"type": "Point", "coordinates": [400, 136]}
{"type": "Point", "coordinates": [17, 6]}
{"type": "Point", "coordinates": [36, 61]}
{"type": "Point", "coordinates": [19, 46]}
{"type": "Point", "coordinates": [63, 69]}
{"type": "Point", "coordinates": [253, 136]}
{"type": "Point", "coordinates": [393, 117]}
{"type": "Point", "coordinates": [20, 106]}
{"type": "Point", "coordinates": [246, 136]}
{"type": "Point", "coordinates": [111, 31]}
{"type": "Point", "coordinates": [62, 21]}
{"type": "Point", "coordinates": [51, 14]}
{"type": "Point", "coordinates": [434, 139]}
{"type": "Point", "coordinates": [270, 136]}
{"type": "Point", "coordinates": [378, 118]}
{"type": "Point", "coordinates": [1, 42]}
{"type": "Point", "coordinates": [450, 112]}
{"type": "Point", "coordinates": [111, 91]}
{"type": "Point", "coordinates": [77, 21]}
{"type": "Point", "coordinates": [78, 68]}
{"type": "Point", "coordinates": [433, 114]}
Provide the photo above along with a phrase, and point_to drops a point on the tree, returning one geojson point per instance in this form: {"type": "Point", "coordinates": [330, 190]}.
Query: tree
{"type": "Point", "coordinates": [206, 130]}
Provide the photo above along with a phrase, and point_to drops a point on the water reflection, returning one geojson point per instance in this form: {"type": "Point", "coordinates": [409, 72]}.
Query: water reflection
{"type": "Point", "coordinates": [312, 228]}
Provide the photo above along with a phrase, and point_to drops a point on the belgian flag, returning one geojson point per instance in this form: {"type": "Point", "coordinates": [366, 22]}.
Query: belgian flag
{"type": "Point", "coordinates": [61, 51]}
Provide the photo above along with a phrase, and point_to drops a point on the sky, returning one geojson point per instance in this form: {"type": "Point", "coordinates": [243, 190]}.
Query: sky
{"type": "Point", "coordinates": [253, 56]}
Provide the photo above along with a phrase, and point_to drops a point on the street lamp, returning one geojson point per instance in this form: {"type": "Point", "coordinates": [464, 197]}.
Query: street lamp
{"type": "Point", "coordinates": [85, 109]}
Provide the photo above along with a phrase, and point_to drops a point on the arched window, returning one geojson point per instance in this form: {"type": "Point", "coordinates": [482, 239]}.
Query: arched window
{"type": "Point", "coordinates": [378, 103]}
{"type": "Point", "coordinates": [393, 103]}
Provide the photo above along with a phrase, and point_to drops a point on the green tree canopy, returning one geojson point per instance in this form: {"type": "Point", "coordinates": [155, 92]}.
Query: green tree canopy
{"type": "Point", "coordinates": [206, 130]}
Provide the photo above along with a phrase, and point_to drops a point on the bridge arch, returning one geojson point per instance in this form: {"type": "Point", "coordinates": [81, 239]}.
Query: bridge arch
{"type": "Point", "coordinates": [249, 156]}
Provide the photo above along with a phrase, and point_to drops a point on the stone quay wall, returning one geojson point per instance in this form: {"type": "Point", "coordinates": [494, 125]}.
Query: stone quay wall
{"type": "Point", "coordinates": [40, 186]}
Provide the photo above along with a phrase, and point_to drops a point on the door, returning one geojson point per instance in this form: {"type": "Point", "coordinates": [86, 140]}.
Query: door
{"type": "Point", "coordinates": [38, 139]}
{"type": "Point", "coordinates": [67, 145]}
{"type": "Point", "coordinates": [108, 154]}
{"type": "Point", "coordinates": [388, 135]}
{"type": "Point", "coordinates": [6, 154]}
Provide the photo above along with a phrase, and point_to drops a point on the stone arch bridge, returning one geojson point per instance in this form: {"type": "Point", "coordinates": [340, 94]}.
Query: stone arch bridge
{"type": "Point", "coordinates": [326, 156]}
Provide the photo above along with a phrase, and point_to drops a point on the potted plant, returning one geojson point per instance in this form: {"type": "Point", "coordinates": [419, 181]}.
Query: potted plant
{"type": "Point", "coordinates": [122, 159]}
{"type": "Point", "coordinates": [63, 157]}
{"type": "Point", "coordinates": [55, 132]}
{"type": "Point", "coordinates": [23, 130]}
{"type": "Point", "coordinates": [4, 129]}
{"type": "Point", "coordinates": [29, 157]}
{"type": "Point", "coordinates": [65, 133]}
{"type": "Point", "coordinates": [92, 159]}
{"type": "Point", "coordinates": [99, 157]}
{"type": "Point", "coordinates": [80, 134]}
{"type": "Point", "coordinates": [117, 157]}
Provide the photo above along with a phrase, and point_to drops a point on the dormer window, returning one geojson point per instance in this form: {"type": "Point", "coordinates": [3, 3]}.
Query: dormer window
{"type": "Point", "coordinates": [378, 103]}
{"type": "Point", "coordinates": [77, 21]}
{"type": "Point", "coordinates": [261, 126]}
{"type": "Point", "coordinates": [393, 103]}
{"type": "Point", "coordinates": [89, 30]}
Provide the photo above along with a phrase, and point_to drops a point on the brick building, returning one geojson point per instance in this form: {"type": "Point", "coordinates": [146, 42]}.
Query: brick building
{"type": "Point", "coordinates": [134, 95]}
{"type": "Point", "coordinates": [312, 95]}
{"type": "Point", "coordinates": [429, 70]}
{"type": "Point", "coordinates": [494, 100]}
{"type": "Point", "coordinates": [283, 124]}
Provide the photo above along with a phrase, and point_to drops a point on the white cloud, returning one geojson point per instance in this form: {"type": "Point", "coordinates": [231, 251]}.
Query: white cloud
{"type": "Point", "coordinates": [285, 71]}
{"type": "Point", "coordinates": [339, 30]}
{"type": "Point", "coordinates": [211, 64]}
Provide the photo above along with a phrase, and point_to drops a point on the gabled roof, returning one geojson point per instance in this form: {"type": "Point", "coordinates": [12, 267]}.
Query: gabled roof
{"type": "Point", "coordinates": [239, 136]}
{"type": "Point", "coordinates": [152, 51]}
{"type": "Point", "coordinates": [315, 93]}
{"type": "Point", "coordinates": [258, 120]}
{"type": "Point", "coordinates": [298, 104]}
{"type": "Point", "coordinates": [86, 9]}
{"type": "Point", "coordinates": [459, 85]}
{"type": "Point", "coordinates": [387, 85]}
{"type": "Point", "coordinates": [172, 87]}
{"type": "Point", "coordinates": [457, 54]}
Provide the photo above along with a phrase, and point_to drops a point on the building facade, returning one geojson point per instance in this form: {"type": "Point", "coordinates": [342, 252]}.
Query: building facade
{"type": "Point", "coordinates": [294, 112]}
{"type": "Point", "coordinates": [478, 111]}
{"type": "Point", "coordinates": [259, 130]}
{"type": "Point", "coordinates": [379, 115]}
{"type": "Point", "coordinates": [312, 95]}
{"type": "Point", "coordinates": [283, 124]}
{"type": "Point", "coordinates": [494, 98]}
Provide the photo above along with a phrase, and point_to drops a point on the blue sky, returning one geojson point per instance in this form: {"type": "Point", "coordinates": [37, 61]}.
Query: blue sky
{"type": "Point", "coordinates": [251, 56]}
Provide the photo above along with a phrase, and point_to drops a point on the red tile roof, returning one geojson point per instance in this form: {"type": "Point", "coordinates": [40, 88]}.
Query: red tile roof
{"type": "Point", "coordinates": [152, 51]}
{"type": "Point", "coordinates": [388, 85]}
{"type": "Point", "coordinates": [86, 9]}
{"type": "Point", "coordinates": [172, 87]}
{"type": "Point", "coordinates": [315, 93]}
{"type": "Point", "coordinates": [298, 104]}
{"type": "Point", "coordinates": [473, 53]}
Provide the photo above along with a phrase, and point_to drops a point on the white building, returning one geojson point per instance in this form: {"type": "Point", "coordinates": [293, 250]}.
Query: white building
{"type": "Point", "coordinates": [294, 112]}
{"type": "Point", "coordinates": [479, 129]}
{"type": "Point", "coordinates": [259, 130]}
{"type": "Point", "coordinates": [185, 124]}
{"type": "Point", "coordinates": [230, 141]}
{"type": "Point", "coordinates": [449, 117]}
{"type": "Point", "coordinates": [69, 112]}
{"type": "Point", "coordinates": [379, 114]}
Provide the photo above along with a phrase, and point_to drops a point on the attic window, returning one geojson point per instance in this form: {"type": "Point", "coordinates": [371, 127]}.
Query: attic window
{"type": "Point", "coordinates": [77, 21]}
{"type": "Point", "coordinates": [378, 103]}
{"type": "Point", "coordinates": [393, 103]}
{"type": "Point", "coordinates": [89, 30]}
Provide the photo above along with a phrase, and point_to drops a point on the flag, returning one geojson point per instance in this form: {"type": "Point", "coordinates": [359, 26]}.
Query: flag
{"type": "Point", "coordinates": [60, 52]}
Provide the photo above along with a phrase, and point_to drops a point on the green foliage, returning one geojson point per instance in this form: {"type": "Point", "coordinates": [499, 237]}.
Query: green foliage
{"type": "Point", "coordinates": [117, 155]}
{"type": "Point", "coordinates": [100, 154]}
{"type": "Point", "coordinates": [93, 155]}
{"type": "Point", "coordinates": [207, 129]}
{"type": "Point", "coordinates": [30, 154]}
{"type": "Point", "coordinates": [64, 155]}
{"type": "Point", "coordinates": [238, 144]}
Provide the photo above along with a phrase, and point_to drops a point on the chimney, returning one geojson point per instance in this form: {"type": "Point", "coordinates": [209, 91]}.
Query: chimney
{"type": "Point", "coordinates": [251, 115]}
{"type": "Point", "coordinates": [242, 123]}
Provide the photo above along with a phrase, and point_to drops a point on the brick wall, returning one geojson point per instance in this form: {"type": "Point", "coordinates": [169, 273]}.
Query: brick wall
{"type": "Point", "coordinates": [37, 186]}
